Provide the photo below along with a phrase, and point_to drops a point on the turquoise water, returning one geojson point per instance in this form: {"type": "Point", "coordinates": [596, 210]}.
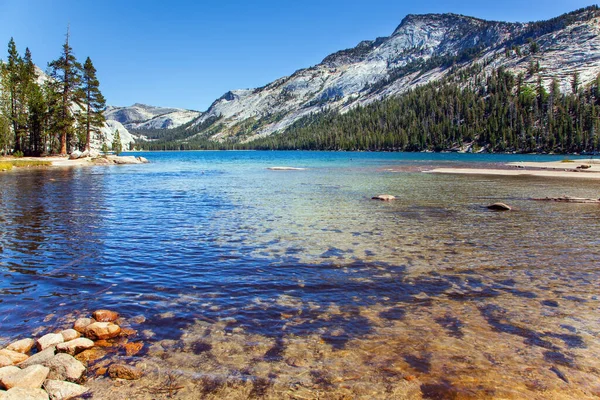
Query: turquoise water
{"type": "Point", "coordinates": [208, 242]}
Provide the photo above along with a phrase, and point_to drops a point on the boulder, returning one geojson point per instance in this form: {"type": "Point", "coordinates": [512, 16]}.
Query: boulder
{"type": "Point", "coordinates": [22, 346]}
{"type": "Point", "coordinates": [94, 153]}
{"type": "Point", "coordinates": [90, 355]}
{"type": "Point", "coordinates": [125, 160]}
{"type": "Point", "coordinates": [102, 330]}
{"type": "Point", "coordinates": [70, 334]}
{"type": "Point", "coordinates": [39, 358]}
{"type": "Point", "coordinates": [384, 197]}
{"type": "Point", "coordinates": [49, 340]}
{"type": "Point", "coordinates": [25, 394]}
{"type": "Point", "coordinates": [105, 315]}
{"type": "Point", "coordinates": [5, 361]}
{"type": "Point", "coordinates": [59, 390]}
{"type": "Point", "coordinates": [75, 155]}
{"type": "Point", "coordinates": [74, 346]}
{"type": "Point", "coordinates": [31, 377]}
{"type": "Point", "coordinates": [499, 207]}
{"type": "Point", "coordinates": [13, 356]}
{"type": "Point", "coordinates": [84, 154]}
{"type": "Point", "coordinates": [102, 161]}
{"type": "Point", "coordinates": [143, 160]}
{"type": "Point", "coordinates": [6, 372]}
{"type": "Point", "coordinates": [64, 367]}
{"type": "Point", "coordinates": [82, 323]}
{"type": "Point", "coordinates": [122, 371]}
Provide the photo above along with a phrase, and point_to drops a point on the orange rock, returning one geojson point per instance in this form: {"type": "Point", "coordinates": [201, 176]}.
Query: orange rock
{"type": "Point", "coordinates": [128, 332]}
{"type": "Point", "coordinates": [133, 348]}
{"type": "Point", "coordinates": [102, 330]}
{"type": "Point", "coordinates": [410, 378]}
{"type": "Point", "coordinates": [82, 323]}
{"type": "Point", "coordinates": [90, 355]}
{"type": "Point", "coordinates": [105, 315]}
{"type": "Point", "coordinates": [103, 343]}
{"type": "Point", "coordinates": [101, 371]}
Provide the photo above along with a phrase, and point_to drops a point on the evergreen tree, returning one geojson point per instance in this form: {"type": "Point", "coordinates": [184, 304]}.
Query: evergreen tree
{"type": "Point", "coordinates": [94, 101]}
{"type": "Point", "coordinates": [117, 146]}
{"type": "Point", "coordinates": [66, 72]}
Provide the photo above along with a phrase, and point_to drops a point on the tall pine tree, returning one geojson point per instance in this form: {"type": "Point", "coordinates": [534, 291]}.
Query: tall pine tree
{"type": "Point", "coordinates": [94, 101]}
{"type": "Point", "coordinates": [66, 72]}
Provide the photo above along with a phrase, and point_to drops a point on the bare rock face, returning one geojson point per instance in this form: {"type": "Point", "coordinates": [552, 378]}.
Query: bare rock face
{"type": "Point", "coordinates": [122, 371]}
{"type": "Point", "coordinates": [102, 331]}
{"type": "Point", "coordinates": [499, 207]}
{"type": "Point", "coordinates": [39, 358]}
{"type": "Point", "coordinates": [60, 390]}
{"type": "Point", "coordinates": [13, 356]}
{"type": "Point", "coordinates": [64, 367]}
{"type": "Point", "coordinates": [384, 197]}
{"type": "Point", "coordinates": [75, 346]}
{"type": "Point", "coordinates": [22, 346]}
{"type": "Point", "coordinates": [51, 339]}
{"type": "Point", "coordinates": [82, 323]}
{"type": "Point", "coordinates": [70, 334]}
{"type": "Point", "coordinates": [31, 377]}
{"type": "Point", "coordinates": [105, 315]}
{"type": "Point", "coordinates": [25, 394]}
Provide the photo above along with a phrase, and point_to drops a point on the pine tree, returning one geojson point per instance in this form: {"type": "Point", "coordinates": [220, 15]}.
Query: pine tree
{"type": "Point", "coordinates": [94, 101]}
{"type": "Point", "coordinates": [66, 72]}
{"type": "Point", "coordinates": [117, 146]}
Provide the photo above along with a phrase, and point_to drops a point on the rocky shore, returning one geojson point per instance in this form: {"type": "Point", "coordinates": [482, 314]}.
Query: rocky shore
{"type": "Point", "coordinates": [56, 365]}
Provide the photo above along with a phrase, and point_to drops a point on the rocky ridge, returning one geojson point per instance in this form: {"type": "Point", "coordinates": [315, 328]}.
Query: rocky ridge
{"type": "Point", "coordinates": [142, 116]}
{"type": "Point", "coordinates": [423, 48]}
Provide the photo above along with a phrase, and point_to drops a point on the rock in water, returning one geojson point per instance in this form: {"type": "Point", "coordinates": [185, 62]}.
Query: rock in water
{"type": "Point", "coordinates": [25, 394]}
{"type": "Point", "coordinates": [49, 340]}
{"type": "Point", "coordinates": [143, 160]}
{"type": "Point", "coordinates": [384, 197]}
{"type": "Point", "coordinates": [39, 358]}
{"type": "Point", "coordinates": [14, 356]}
{"type": "Point", "coordinates": [75, 346]}
{"type": "Point", "coordinates": [105, 315]}
{"type": "Point", "coordinates": [59, 390]}
{"type": "Point", "coordinates": [70, 334]}
{"type": "Point", "coordinates": [22, 346]}
{"type": "Point", "coordinates": [102, 330]}
{"type": "Point", "coordinates": [121, 371]}
{"type": "Point", "coordinates": [64, 367]}
{"type": "Point", "coordinates": [31, 377]}
{"type": "Point", "coordinates": [82, 323]}
{"type": "Point", "coordinates": [499, 207]}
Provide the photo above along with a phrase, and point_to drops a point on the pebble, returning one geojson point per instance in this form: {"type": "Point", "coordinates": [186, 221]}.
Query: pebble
{"type": "Point", "coordinates": [13, 356]}
{"type": "Point", "coordinates": [31, 377]}
{"type": "Point", "coordinates": [22, 346]}
{"type": "Point", "coordinates": [105, 315]}
{"type": "Point", "coordinates": [25, 394]}
{"type": "Point", "coordinates": [70, 334]}
{"type": "Point", "coordinates": [122, 371]}
{"type": "Point", "coordinates": [102, 330]}
{"type": "Point", "coordinates": [75, 346]}
{"type": "Point", "coordinates": [49, 340]}
{"type": "Point", "coordinates": [60, 390]}
{"type": "Point", "coordinates": [65, 368]}
{"type": "Point", "coordinates": [82, 323]}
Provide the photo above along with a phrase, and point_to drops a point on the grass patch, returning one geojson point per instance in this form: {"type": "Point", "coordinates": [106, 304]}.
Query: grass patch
{"type": "Point", "coordinates": [7, 165]}
{"type": "Point", "coordinates": [566, 160]}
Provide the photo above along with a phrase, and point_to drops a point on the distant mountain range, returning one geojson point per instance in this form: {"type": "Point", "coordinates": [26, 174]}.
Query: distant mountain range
{"type": "Point", "coordinates": [422, 49]}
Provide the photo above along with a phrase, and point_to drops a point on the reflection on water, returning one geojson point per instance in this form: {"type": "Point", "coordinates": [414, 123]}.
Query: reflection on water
{"type": "Point", "coordinates": [294, 284]}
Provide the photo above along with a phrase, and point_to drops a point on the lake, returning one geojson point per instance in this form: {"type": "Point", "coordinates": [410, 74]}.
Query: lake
{"type": "Point", "coordinates": [295, 284]}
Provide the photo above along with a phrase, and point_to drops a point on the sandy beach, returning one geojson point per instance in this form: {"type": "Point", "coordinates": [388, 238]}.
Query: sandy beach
{"type": "Point", "coordinates": [579, 169]}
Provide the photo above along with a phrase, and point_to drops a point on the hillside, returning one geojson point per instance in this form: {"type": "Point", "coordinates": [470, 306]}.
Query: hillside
{"type": "Point", "coordinates": [422, 49]}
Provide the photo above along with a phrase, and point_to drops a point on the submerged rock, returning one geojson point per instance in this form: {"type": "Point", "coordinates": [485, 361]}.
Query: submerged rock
{"type": "Point", "coordinates": [384, 197]}
{"type": "Point", "coordinates": [105, 315]}
{"type": "Point", "coordinates": [92, 354]}
{"type": "Point", "coordinates": [49, 340]}
{"type": "Point", "coordinates": [102, 330]}
{"type": "Point", "coordinates": [31, 377]}
{"type": "Point", "coordinates": [21, 346]}
{"type": "Point", "coordinates": [499, 207]}
{"type": "Point", "coordinates": [25, 394]}
{"type": "Point", "coordinates": [122, 371]}
{"type": "Point", "coordinates": [60, 390]}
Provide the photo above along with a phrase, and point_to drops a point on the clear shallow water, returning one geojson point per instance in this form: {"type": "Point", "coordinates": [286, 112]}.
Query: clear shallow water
{"type": "Point", "coordinates": [291, 271]}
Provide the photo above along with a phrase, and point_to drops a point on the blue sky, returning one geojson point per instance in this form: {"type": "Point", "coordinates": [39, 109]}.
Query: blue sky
{"type": "Point", "coordinates": [188, 53]}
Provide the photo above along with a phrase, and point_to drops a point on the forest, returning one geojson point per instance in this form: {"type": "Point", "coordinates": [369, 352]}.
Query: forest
{"type": "Point", "coordinates": [52, 114]}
